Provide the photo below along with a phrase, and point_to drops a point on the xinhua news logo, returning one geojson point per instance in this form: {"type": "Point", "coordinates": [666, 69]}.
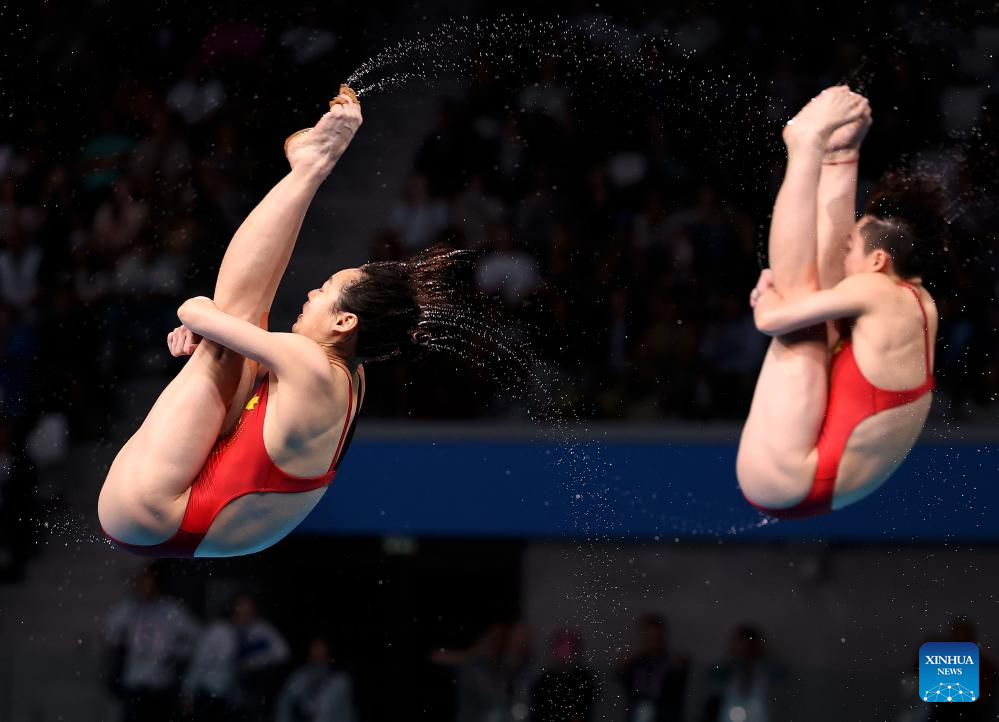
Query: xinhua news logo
{"type": "Point", "coordinates": [948, 672]}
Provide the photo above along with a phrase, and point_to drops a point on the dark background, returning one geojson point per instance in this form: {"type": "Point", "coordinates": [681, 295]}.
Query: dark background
{"type": "Point", "coordinates": [626, 178]}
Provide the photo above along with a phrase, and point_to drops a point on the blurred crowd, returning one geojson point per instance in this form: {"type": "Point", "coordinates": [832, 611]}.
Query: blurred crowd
{"type": "Point", "coordinates": [626, 234]}
{"type": "Point", "coordinates": [163, 663]}
{"type": "Point", "coordinates": [624, 219]}
{"type": "Point", "coordinates": [119, 189]}
{"type": "Point", "coordinates": [621, 219]}
{"type": "Point", "coordinates": [624, 223]}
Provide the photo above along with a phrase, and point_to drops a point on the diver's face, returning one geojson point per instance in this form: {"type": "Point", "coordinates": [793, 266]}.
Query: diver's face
{"type": "Point", "coordinates": [320, 315]}
{"type": "Point", "coordinates": [857, 260]}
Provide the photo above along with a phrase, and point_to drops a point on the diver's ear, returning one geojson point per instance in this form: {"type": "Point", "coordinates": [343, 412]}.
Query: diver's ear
{"type": "Point", "coordinates": [879, 260]}
{"type": "Point", "coordinates": [344, 322]}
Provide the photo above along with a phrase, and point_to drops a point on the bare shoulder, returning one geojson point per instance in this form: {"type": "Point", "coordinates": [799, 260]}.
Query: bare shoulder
{"type": "Point", "coordinates": [301, 357]}
{"type": "Point", "coordinates": [363, 383]}
{"type": "Point", "coordinates": [875, 292]}
{"type": "Point", "coordinates": [927, 297]}
{"type": "Point", "coordinates": [929, 305]}
{"type": "Point", "coordinates": [866, 282]}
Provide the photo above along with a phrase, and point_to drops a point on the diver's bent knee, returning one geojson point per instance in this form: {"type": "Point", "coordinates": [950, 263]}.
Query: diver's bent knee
{"type": "Point", "coordinates": [252, 312]}
{"type": "Point", "coordinates": [797, 288]}
{"type": "Point", "coordinates": [749, 467]}
{"type": "Point", "coordinates": [113, 510]}
{"type": "Point", "coordinates": [768, 485]}
{"type": "Point", "coordinates": [134, 511]}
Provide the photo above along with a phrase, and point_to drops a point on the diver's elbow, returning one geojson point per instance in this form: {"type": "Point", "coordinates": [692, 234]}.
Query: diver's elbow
{"type": "Point", "coordinates": [767, 323]}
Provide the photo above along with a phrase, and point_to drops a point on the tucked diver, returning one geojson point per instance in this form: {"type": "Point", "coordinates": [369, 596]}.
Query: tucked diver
{"type": "Point", "coordinates": [242, 443]}
{"type": "Point", "coordinates": [847, 382]}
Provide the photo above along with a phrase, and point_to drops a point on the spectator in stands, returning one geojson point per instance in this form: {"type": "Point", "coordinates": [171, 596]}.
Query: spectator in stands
{"type": "Point", "coordinates": [440, 161]}
{"type": "Point", "coordinates": [476, 211]}
{"type": "Point", "coordinates": [547, 96]}
{"type": "Point", "coordinates": [211, 685]}
{"type": "Point", "coordinates": [507, 271]}
{"type": "Point", "coordinates": [20, 262]}
{"type": "Point", "coordinates": [566, 690]}
{"type": "Point", "coordinates": [318, 691]}
{"type": "Point", "coordinates": [148, 636]}
{"type": "Point", "coordinates": [309, 40]}
{"type": "Point", "coordinates": [743, 685]}
{"type": "Point", "coordinates": [416, 217]}
{"type": "Point", "coordinates": [481, 692]}
{"type": "Point", "coordinates": [262, 656]}
{"type": "Point", "coordinates": [653, 677]}
{"type": "Point", "coordinates": [520, 670]}
{"type": "Point", "coordinates": [513, 148]}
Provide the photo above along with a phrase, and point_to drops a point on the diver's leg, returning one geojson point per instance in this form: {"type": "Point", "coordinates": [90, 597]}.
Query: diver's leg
{"type": "Point", "coordinates": [145, 493]}
{"type": "Point", "coordinates": [776, 458]}
{"type": "Point", "coordinates": [254, 264]}
{"type": "Point", "coordinates": [837, 202]}
{"type": "Point", "coordinates": [258, 254]}
{"type": "Point", "coordinates": [146, 489]}
{"type": "Point", "coordinates": [837, 208]}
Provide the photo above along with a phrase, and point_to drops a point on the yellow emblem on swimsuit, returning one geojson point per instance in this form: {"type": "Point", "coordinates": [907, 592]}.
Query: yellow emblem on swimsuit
{"type": "Point", "coordinates": [252, 402]}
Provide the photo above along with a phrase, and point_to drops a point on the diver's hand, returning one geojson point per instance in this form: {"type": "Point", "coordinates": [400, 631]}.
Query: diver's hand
{"type": "Point", "coordinates": [764, 284]}
{"type": "Point", "coordinates": [182, 341]}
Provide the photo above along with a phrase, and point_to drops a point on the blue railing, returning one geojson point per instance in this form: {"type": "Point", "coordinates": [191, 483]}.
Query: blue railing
{"type": "Point", "coordinates": [448, 482]}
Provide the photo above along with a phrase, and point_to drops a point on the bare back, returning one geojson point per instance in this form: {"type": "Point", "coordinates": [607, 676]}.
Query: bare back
{"type": "Point", "coordinates": [303, 430]}
{"type": "Point", "coordinates": [890, 344]}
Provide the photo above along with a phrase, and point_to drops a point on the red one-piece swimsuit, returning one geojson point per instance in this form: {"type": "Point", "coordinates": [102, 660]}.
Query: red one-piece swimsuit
{"type": "Point", "coordinates": [852, 398]}
{"type": "Point", "coordinates": [237, 465]}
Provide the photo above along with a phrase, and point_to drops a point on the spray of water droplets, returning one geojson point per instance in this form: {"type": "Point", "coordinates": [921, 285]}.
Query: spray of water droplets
{"type": "Point", "coordinates": [59, 525]}
{"type": "Point", "coordinates": [604, 65]}
{"type": "Point", "coordinates": [599, 60]}
{"type": "Point", "coordinates": [477, 332]}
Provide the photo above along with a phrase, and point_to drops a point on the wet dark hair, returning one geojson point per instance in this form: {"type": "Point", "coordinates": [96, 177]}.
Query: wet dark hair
{"type": "Point", "coordinates": [391, 300]}
{"type": "Point", "coordinates": [907, 220]}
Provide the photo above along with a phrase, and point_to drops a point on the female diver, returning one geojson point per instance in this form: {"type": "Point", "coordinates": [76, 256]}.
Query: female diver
{"type": "Point", "coordinates": [846, 384]}
{"type": "Point", "coordinates": [241, 445]}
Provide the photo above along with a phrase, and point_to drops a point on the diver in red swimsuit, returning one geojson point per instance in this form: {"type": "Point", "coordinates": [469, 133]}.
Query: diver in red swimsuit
{"type": "Point", "coordinates": [240, 464]}
{"type": "Point", "coordinates": [242, 443]}
{"type": "Point", "coordinates": [846, 384]}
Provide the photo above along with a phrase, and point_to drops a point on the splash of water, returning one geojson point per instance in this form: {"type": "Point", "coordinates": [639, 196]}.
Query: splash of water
{"type": "Point", "coordinates": [478, 335]}
{"type": "Point", "coordinates": [605, 65]}
{"type": "Point", "coordinates": [596, 56]}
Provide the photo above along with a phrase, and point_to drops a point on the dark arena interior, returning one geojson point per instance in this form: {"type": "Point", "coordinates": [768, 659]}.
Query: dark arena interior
{"type": "Point", "coordinates": [539, 518]}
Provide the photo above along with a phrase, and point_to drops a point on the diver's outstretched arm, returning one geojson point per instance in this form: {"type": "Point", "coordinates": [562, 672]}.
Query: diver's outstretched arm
{"type": "Point", "coordinates": [259, 252]}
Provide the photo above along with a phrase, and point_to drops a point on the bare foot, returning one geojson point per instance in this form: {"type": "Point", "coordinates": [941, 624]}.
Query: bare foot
{"type": "Point", "coordinates": [320, 147]}
{"type": "Point", "coordinates": [823, 115]}
{"type": "Point", "coordinates": [844, 143]}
